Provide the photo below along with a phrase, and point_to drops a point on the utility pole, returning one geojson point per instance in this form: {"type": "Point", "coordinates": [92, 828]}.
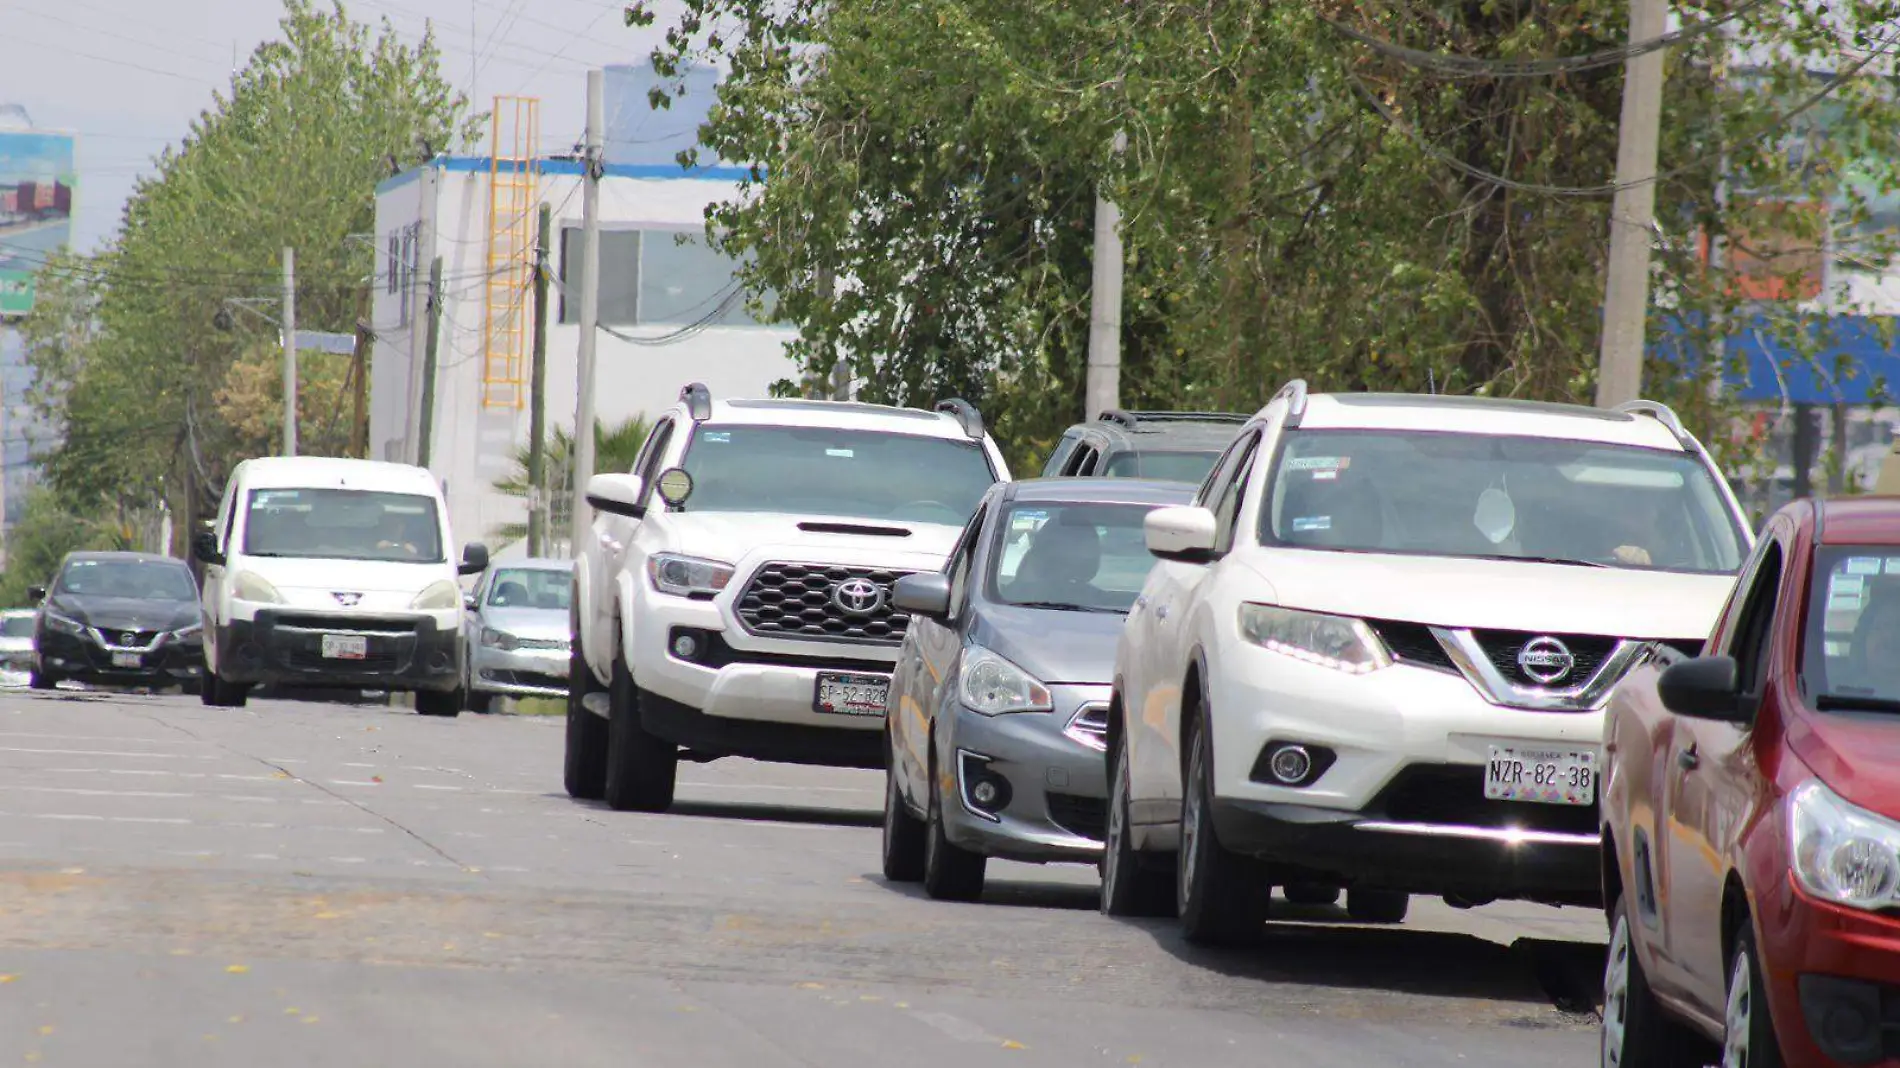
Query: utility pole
{"type": "Point", "coordinates": [425, 419]}
{"type": "Point", "coordinates": [1103, 387]}
{"type": "Point", "coordinates": [583, 448]}
{"type": "Point", "coordinates": [290, 351]}
{"type": "Point", "coordinates": [359, 391]}
{"type": "Point", "coordinates": [1632, 213]}
{"type": "Point", "coordinates": [418, 321]}
{"type": "Point", "coordinates": [538, 393]}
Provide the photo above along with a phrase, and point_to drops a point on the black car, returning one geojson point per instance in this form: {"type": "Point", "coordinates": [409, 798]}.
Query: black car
{"type": "Point", "coordinates": [127, 619]}
{"type": "Point", "coordinates": [1172, 446]}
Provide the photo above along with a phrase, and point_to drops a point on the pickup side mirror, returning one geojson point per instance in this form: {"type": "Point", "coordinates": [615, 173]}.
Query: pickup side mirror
{"type": "Point", "coordinates": [1183, 534]}
{"type": "Point", "coordinates": [474, 558]}
{"type": "Point", "coordinates": [926, 595]}
{"type": "Point", "coordinates": [204, 546]}
{"type": "Point", "coordinates": [1704, 688]}
{"type": "Point", "coordinates": [617, 494]}
{"type": "Point", "coordinates": [36, 594]}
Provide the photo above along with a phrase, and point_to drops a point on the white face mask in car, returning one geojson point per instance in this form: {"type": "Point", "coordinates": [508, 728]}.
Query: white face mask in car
{"type": "Point", "coordinates": [1495, 516]}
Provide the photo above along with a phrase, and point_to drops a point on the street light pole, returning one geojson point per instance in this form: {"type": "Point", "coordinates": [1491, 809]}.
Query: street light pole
{"type": "Point", "coordinates": [290, 352]}
{"type": "Point", "coordinates": [583, 448]}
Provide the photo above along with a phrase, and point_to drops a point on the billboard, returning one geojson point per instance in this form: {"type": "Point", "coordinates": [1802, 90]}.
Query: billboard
{"type": "Point", "coordinates": [36, 210]}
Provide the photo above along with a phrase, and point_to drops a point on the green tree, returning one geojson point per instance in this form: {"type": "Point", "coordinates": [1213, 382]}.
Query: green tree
{"type": "Point", "coordinates": [42, 535]}
{"type": "Point", "coordinates": [615, 449]}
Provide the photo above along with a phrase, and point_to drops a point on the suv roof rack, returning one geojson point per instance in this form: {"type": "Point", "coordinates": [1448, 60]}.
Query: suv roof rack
{"type": "Point", "coordinates": [698, 401]}
{"type": "Point", "coordinates": [1663, 414]}
{"type": "Point", "coordinates": [1133, 419]}
{"type": "Point", "coordinates": [966, 415]}
{"type": "Point", "coordinates": [1295, 393]}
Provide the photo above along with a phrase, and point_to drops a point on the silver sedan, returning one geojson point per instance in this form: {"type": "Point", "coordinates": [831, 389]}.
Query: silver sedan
{"type": "Point", "coordinates": [517, 630]}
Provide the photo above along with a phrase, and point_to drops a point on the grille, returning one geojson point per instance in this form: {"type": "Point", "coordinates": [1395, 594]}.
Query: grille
{"type": "Point", "coordinates": [1454, 794]}
{"type": "Point", "coordinates": [1501, 647]}
{"type": "Point", "coordinates": [1085, 817]}
{"type": "Point", "coordinates": [349, 624]}
{"type": "Point", "coordinates": [1412, 643]}
{"type": "Point", "coordinates": [139, 638]}
{"type": "Point", "coordinates": [541, 643]}
{"type": "Point", "coordinates": [794, 601]}
{"type": "Point", "coordinates": [378, 658]}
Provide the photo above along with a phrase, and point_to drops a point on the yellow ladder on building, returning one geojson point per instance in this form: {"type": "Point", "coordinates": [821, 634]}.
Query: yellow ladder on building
{"type": "Point", "coordinates": [514, 181]}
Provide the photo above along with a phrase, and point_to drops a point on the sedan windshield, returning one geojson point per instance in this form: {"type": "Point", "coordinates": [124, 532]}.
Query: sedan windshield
{"type": "Point", "coordinates": [1852, 654]}
{"type": "Point", "coordinates": [1495, 497]}
{"type": "Point", "coordinates": [140, 580]}
{"type": "Point", "coordinates": [1168, 466]}
{"type": "Point", "coordinates": [859, 474]}
{"type": "Point", "coordinates": [1081, 557]}
{"type": "Point", "coordinates": [339, 524]}
{"type": "Point", "coordinates": [520, 587]}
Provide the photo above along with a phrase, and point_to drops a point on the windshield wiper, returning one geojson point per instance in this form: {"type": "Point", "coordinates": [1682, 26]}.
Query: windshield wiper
{"type": "Point", "coordinates": [1549, 560]}
{"type": "Point", "coordinates": [1064, 606]}
{"type": "Point", "coordinates": [1842, 702]}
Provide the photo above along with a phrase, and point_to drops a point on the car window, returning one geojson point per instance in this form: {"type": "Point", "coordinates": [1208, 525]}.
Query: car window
{"type": "Point", "coordinates": [1501, 497]}
{"type": "Point", "coordinates": [521, 587]}
{"type": "Point", "coordinates": [1852, 644]}
{"type": "Point", "coordinates": [1171, 466]}
{"type": "Point", "coordinates": [1070, 555]}
{"type": "Point", "coordinates": [1756, 623]}
{"type": "Point", "coordinates": [16, 627]}
{"type": "Point", "coordinates": [1083, 462]}
{"type": "Point", "coordinates": [1223, 470]}
{"type": "Point", "coordinates": [139, 580]}
{"type": "Point", "coordinates": [858, 474]}
{"type": "Point", "coordinates": [961, 559]}
{"type": "Point", "coordinates": [1058, 460]}
{"type": "Point", "coordinates": [341, 524]}
{"type": "Point", "coordinates": [1227, 506]}
{"type": "Point", "coordinates": [648, 465]}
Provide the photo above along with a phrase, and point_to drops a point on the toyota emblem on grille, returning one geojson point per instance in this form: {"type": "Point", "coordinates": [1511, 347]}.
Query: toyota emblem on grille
{"type": "Point", "coordinates": [858, 596]}
{"type": "Point", "coordinates": [347, 600]}
{"type": "Point", "coordinates": [1546, 659]}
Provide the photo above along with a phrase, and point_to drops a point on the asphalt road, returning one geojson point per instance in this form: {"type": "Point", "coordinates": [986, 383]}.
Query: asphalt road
{"type": "Point", "coordinates": [314, 884]}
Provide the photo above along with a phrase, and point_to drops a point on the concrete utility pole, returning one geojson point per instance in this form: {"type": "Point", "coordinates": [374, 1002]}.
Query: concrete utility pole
{"type": "Point", "coordinates": [425, 420]}
{"type": "Point", "coordinates": [583, 460]}
{"type": "Point", "coordinates": [418, 321]}
{"type": "Point", "coordinates": [290, 352]}
{"type": "Point", "coordinates": [1103, 387]}
{"type": "Point", "coordinates": [538, 393]}
{"type": "Point", "coordinates": [1632, 213]}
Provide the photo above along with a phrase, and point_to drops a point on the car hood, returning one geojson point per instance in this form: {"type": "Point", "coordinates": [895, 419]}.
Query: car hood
{"type": "Point", "coordinates": [1857, 754]}
{"type": "Point", "coordinates": [737, 536]}
{"type": "Point", "coordinates": [547, 623]}
{"type": "Point", "coordinates": [378, 585]}
{"type": "Point", "coordinates": [16, 645]}
{"type": "Point", "coordinates": [1053, 645]}
{"type": "Point", "coordinates": [1495, 594]}
{"type": "Point", "coordinates": [125, 613]}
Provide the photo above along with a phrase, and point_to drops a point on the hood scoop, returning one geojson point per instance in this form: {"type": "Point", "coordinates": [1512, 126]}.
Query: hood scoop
{"type": "Point", "coordinates": [865, 529]}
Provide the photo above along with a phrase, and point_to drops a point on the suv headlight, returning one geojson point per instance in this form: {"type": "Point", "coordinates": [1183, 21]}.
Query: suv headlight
{"type": "Point", "coordinates": [991, 685]}
{"type": "Point", "coordinates": [55, 621]}
{"type": "Point", "coordinates": [500, 639]}
{"type": "Point", "coordinates": [687, 576]}
{"type": "Point", "coordinates": [246, 586]}
{"type": "Point", "coordinates": [438, 596]}
{"type": "Point", "coordinates": [1338, 642]}
{"type": "Point", "coordinates": [1843, 853]}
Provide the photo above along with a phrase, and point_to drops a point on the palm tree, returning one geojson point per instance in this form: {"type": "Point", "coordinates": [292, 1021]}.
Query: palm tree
{"type": "Point", "coordinates": [615, 449]}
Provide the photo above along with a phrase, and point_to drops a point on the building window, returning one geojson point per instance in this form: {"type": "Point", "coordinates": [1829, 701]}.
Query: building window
{"type": "Point", "coordinates": [657, 278]}
{"type": "Point", "coordinates": [619, 275]}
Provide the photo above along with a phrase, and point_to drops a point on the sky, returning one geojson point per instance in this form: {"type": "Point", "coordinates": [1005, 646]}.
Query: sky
{"type": "Point", "coordinates": [128, 76]}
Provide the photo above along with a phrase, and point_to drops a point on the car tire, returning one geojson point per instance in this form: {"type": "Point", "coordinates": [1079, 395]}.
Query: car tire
{"type": "Point", "coordinates": [445, 704]}
{"type": "Point", "coordinates": [476, 701]}
{"type": "Point", "coordinates": [1635, 1032]}
{"type": "Point", "coordinates": [904, 834]}
{"type": "Point", "coordinates": [1223, 895]}
{"type": "Point", "coordinates": [221, 694]}
{"type": "Point", "coordinates": [1748, 1039]}
{"type": "Point", "coordinates": [1377, 906]}
{"type": "Point", "coordinates": [39, 680]}
{"type": "Point", "coordinates": [1131, 886]}
{"type": "Point", "coordinates": [191, 687]}
{"type": "Point", "coordinates": [951, 872]}
{"type": "Point", "coordinates": [584, 772]}
{"type": "Point", "coordinates": [641, 768]}
{"type": "Point", "coordinates": [1312, 895]}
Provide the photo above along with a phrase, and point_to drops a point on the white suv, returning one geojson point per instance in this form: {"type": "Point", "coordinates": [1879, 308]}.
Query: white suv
{"type": "Point", "coordinates": [735, 598]}
{"type": "Point", "coordinates": [1376, 652]}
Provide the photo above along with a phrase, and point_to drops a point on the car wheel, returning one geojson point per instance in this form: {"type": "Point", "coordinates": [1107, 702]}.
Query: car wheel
{"type": "Point", "coordinates": [1748, 1035]}
{"type": "Point", "coordinates": [1635, 1031]}
{"type": "Point", "coordinates": [476, 701]}
{"type": "Point", "coordinates": [191, 687]}
{"type": "Point", "coordinates": [585, 769]}
{"type": "Point", "coordinates": [1312, 894]}
{"type": "Point", "coordinates": [951, 872]}
{"type": "Point", "coordinates": [1377, 906]}
{"type": "Point", "coordinates": [39, 680]}
{"type": "Point", "coordinates": [904, 841]}
{"type": "Point", "coordinates": [1130, 887]}
{"type": "Point", "coordinates": [1223, 894]}
{"type": "Point", "coordinates": [641, 768]}
{"type": "Point", "coordinates": [446, 704]}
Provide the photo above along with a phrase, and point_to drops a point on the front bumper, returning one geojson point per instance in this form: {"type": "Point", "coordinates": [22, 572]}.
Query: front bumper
{"type": "Point", "coordinates": [1833, 978]}
{"type": "Point", "coordinates": [1050, 786]}
{"type": "Point", "coordinates": [284, 648]}
{"type": "Point", "coordinates": [519, 672]}
{"type": "Point", "coordinates": [79, 657]}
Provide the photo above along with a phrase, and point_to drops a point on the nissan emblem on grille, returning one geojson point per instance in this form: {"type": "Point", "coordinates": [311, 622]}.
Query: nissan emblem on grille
{"type": "Point", "coordinates": [129, 638]}
{"type": "Point", "coordinates": [858, 596]}
{"type": "Point", "coordinates": [347, 600]}
{"type": "Point", "coordinates": [1546, 659]}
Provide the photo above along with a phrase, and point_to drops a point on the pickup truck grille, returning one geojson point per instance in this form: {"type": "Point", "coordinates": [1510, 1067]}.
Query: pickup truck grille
{"type": "Point", "coordinates": [802, 601]}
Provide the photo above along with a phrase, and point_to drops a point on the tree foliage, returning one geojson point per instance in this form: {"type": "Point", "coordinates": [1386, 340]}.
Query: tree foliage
{"type": "Point", "coordinates": [615, 449]}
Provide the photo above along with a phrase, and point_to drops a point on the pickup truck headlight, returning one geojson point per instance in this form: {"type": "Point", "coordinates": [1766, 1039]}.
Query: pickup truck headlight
{"type": "Point", "coordinates": [1842, 853]}
{"type": "Point", "coordinates": [438, 597]}
{"type": "Point", "coordinates": [687, 576]}
{"type": "Point", "coordinates": [1337, 642]}
{"type": "Point", "coordinates": [991, 685]}
{"type": "Point", "coordinates": [500, 639]}
{"type": "Point", "coordinates": [246, 586]}
{"type": "Point", "coordinates": [57, 622]}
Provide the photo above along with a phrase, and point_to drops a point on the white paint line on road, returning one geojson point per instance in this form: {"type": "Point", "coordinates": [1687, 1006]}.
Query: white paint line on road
{"type": "Point", "coordinates": [355, 860]}
{"type": "Point", "coordinates": [148, 819]}
{"type": "Point", "coordinates": [432, 786]}
{"type": "Point", "coordinates": [105, 753]}
{"type": "Point", "coordinates": [261, 856]}
{"type": "Point", "coordinates": [81, 791]}
{"type": "Point", "coordinates": [249, 799]}
{"type": "Point", "coordinates": [352, 782]}
{"type": "Point", "coordinates": [350, 765]}
{"type": "Point", "coordinates": [787, 789]}
{"type": "Point", "coordinates": [97, 738]}
{"type": "Point", "coordinates": [283, 760]}
{"type": "Point", "coordinates": [957, 1027]}
{"type": "Point", "coordinates": [71, 816]}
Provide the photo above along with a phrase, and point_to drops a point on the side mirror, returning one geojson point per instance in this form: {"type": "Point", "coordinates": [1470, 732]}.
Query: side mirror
{"type": "Point", "coordinates": [617, 494]}
{"type": "Point", "coordinates": [204, 546]}
{"type": "Point", "coordinates": [468, 601]}
{"type": "Point", "coordinates": [1703, 688]}
{"type": "Point", "coordinates": [1182, 534]}
{"type": "Point", "coordinates": [926, 595]}
{"type": "Point", "coordinates": [474, 558]}
{"type": "Point", "coordinates": [36, 594]}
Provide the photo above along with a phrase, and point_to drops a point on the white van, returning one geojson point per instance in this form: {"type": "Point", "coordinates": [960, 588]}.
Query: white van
{"type": "Point", "coordinates": [332, 573]}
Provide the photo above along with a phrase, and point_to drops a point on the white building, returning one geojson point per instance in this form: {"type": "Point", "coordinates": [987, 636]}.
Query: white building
{"type": "Point", "coordinates": [660, 284]}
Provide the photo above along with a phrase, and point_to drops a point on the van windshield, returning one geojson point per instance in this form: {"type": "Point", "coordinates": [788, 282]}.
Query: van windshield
{"type": "Point", "coordinates": [340, 524]}
{"type": "Point", "coordinates": [861, 474]}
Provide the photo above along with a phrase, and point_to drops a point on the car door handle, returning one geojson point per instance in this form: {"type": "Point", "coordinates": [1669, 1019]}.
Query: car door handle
{"type": "Point", "coordinates": [1687, 759]}
{"type": "Point", "coordinates": [1161, 612]}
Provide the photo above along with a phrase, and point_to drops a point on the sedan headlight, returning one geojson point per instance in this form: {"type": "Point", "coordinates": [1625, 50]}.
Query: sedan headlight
{"type": "Point", "coordinates": [991, 685]}
{"type": "Point", "coordinates": [246, 586]}
{"type": "Point", "coordinates": [438, 596]}
{"type": "Point", "coordinates": [57, 622]}
{"type": "Point", "coordinates": [1843, 853]}
{"type": "Point", "coordinates": [687, 576]}
{"type": "Point", "coordinates": [1337, 642]}
{"type": "Point", "coordinates": [500, 639]}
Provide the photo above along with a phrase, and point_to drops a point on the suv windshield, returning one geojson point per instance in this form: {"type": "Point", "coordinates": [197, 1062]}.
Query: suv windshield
{"type": "Point", "coordinates": [1090, 557]}
{"type": "Point", "coordinates": [1496, 497]}
{"type": "Point", "coordinates": [862, 474]}
{"type": "Point", "coordinates": [339, 524]}
{"type": "Point", "coordinates": [521, 587]}
{"type": "Point", "coordinates": [1853, 637]}
{"type": "Point", "coordinates": [140, 580]}
{"type": "Point", "coordinates": [1170, 466]}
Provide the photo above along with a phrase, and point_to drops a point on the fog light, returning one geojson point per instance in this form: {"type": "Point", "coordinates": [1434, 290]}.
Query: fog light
{"type": "Point", "coordinates": [685, 647]}
{"type": "Point", "coordinates": [1291, 765]}
{"type": "Point", "coordinates": [1294, 764]}
{"type": "Point", "coordinates": [984, 793]}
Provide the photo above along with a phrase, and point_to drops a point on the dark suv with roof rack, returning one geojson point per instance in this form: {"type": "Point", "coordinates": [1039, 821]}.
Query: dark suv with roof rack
{"type": "Point", "coordinates": [1175, 446]}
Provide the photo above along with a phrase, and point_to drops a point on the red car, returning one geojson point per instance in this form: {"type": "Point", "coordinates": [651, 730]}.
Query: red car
{"type": "Point", "coordinates": [1751, 814]}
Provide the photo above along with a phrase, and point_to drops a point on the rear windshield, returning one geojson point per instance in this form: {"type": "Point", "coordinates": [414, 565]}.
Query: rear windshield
{"type": "Point", "coordinates": [140, 580]}
{"type": "Point", "coordinates": [1853, 638]}
{"type": "Point", "coordinates": [340, 524]}
{"type": "Point", "coordinates": [521, 587]}
{"type": "Point", "coordinates": [860, 474]}
{"type": "Point", "coordinates": [1180, 466]}
{"type": "Point", "coordinates": [1076, 556]}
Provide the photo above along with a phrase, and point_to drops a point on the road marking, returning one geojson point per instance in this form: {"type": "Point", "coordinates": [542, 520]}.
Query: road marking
{"type": "Point", "coordinates": [356, 860]}
{"type": "Point", "coordinates": [95, 738]}
{"type": "Point", "coordinates": [70, 816]}
{"type": "Point", "coordinates": [148, 819]}
{"type": "Point", "coordinates": [104, 753]}
{"type": "Point", "coordinates": [351, 782]}
{"type": "Point", "coordinates": [349, 765]}
{"type": "Point", "coordinates": [84, 792]}
{"type": "Point", "coordinates": [787, 789]}
{"type": "Point", "coordinates": [432, 786]}
{"type": "Point", "coordinates": [956, 1027]}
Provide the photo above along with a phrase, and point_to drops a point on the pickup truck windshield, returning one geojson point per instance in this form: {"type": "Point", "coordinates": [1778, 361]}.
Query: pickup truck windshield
{"type": "Point", "coordinates": [1497, 497]}
{"type": "Point", "coordinates": [860, 474]}
{"type": "Point", "coordinates": [1853, 640]}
